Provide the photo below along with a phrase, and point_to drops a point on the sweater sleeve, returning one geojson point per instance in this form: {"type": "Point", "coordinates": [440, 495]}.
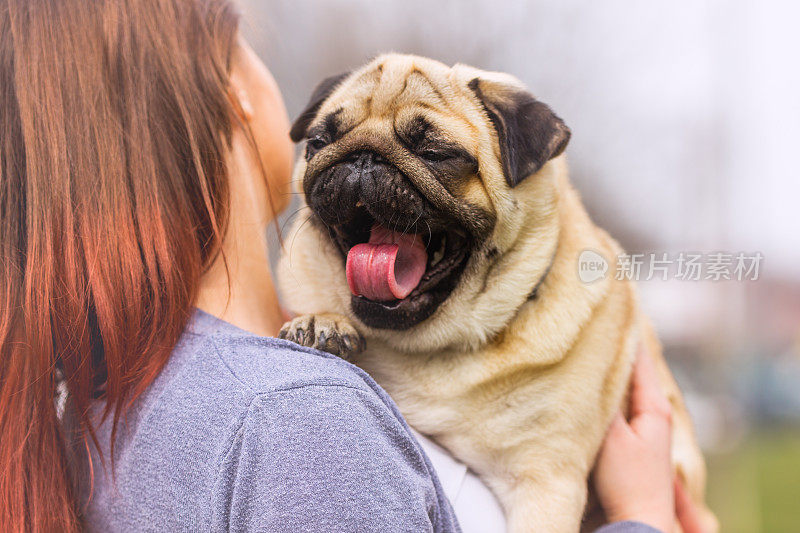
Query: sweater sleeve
{"type": "Point", "coordinates": [325, 458]}
{"type": "Point", "coordinates": [627, 527]}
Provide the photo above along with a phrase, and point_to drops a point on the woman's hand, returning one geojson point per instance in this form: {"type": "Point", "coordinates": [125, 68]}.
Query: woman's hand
{"type": "Point", "coordinates": [692, 518]}
{"type": "Point", "coordinates": [633, 476]}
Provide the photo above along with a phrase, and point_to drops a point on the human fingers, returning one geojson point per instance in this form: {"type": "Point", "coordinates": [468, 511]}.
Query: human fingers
{"type": "Point", "coordinates": [649, 407]}
{"type": "Point", "coordinates": [689, 516]}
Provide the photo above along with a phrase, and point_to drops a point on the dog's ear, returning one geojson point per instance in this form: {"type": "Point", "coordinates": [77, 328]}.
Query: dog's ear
{"type": "Point", "coordinates": [320, 94]}
{"type": "Point", "coordinates": [530, 134]}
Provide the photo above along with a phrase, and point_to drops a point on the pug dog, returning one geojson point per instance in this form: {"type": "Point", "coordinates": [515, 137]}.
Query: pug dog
{"type": "Point", "coordinates": [440, 254]}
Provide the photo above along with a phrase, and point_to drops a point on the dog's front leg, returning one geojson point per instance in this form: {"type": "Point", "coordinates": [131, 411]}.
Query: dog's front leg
{"type": "Point", "coordinates": [546, 504]}
{"type": "Point", "coordinates": [327, 332]}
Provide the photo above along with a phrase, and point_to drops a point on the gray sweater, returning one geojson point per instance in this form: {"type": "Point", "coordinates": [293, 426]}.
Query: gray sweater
{"type": "Point", "coordinates": [244, 433]}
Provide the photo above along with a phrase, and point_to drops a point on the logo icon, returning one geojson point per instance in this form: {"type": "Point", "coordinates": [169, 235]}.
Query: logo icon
{"type": "Point", "coordinates": [591, 266]}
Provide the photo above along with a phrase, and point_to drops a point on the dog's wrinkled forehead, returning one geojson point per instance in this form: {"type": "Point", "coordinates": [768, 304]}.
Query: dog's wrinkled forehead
{"type": "Point", "coordinates": [385, 87]}
{"type": "Point", "coordinates": [401, 96]}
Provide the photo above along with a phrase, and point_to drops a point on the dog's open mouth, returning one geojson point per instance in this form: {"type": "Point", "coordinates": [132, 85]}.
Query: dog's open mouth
{"type": "Point", "coordinates": [387, 267]}
{"type": "Point", "coordinates": [398, 274]}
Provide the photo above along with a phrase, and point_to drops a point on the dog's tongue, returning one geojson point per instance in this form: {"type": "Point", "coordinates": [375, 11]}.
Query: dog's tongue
{"type": "Point", "coordinates": [388, 267]}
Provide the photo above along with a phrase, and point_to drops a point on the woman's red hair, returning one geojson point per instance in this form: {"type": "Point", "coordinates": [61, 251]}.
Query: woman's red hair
{"type": "Point", "coordinates": [114, 123]}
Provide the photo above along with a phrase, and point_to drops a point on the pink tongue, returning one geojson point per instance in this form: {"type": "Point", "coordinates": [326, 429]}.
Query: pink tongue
{"type": "Point", "coordinates": [388, 267]}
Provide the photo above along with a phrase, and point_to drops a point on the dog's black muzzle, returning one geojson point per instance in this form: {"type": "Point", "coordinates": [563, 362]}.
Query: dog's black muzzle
{"type": "Point", "coordinates": [366, 182]}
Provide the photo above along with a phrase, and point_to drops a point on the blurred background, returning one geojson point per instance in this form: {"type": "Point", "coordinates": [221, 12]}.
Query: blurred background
{"type": "Point", "coordinates": [686, 124]}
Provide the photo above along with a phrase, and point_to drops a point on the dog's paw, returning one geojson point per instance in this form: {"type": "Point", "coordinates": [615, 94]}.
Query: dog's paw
{"type": "Point", "coordinates": [327, 332]}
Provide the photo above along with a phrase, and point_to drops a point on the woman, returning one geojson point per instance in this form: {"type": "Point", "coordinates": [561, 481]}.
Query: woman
{"type": "Point", "coordinates": [143, 152]}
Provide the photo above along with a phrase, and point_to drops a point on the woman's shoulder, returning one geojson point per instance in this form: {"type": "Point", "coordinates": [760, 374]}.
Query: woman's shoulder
{"type": "Point", "coordinates": [270, 381]}
{"type": "Point", "coordinates": [267, 365]}
{"type": "Point", "coordinates": [286, 389]}
{"type": "Point", "coordinates": [295, 394]}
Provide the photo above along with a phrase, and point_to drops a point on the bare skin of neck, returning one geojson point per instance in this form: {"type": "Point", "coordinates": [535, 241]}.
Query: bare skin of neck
{"type": "Point", "coordinates": [244, 294]}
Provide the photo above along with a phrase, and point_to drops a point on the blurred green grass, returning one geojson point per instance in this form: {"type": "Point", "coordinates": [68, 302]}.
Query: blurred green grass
{"type": "Point", "coordinates": [756, 487]}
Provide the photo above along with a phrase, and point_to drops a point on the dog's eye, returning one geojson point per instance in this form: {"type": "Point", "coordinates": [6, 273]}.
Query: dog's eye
{"type": "Point", "coordinates": [314, 145]}
{"type": "Point", "coordinates": [317, 143]}
{"type": "Point", "coordinates": [435, 155]}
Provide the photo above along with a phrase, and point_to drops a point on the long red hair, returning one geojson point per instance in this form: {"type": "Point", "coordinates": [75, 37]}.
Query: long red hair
{"type": "Point", "coordinates": [115, 118]}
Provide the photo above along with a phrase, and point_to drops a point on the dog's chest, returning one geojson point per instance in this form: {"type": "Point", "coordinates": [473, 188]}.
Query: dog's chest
{"type": "Point", "coordinates": [450, 390]}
